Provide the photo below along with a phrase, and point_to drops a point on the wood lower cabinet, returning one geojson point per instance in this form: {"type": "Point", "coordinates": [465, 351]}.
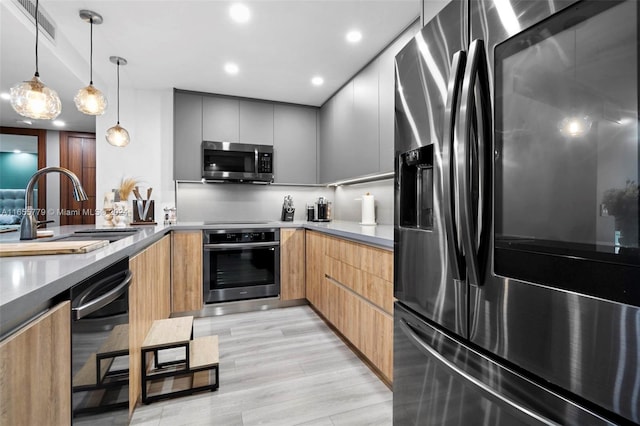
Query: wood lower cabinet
{"type": "Point", "coordinates": [292, 267]}
{"type": "Point", "coordinates": [35, 371]}
{"type": "Point", "coordinates": [186, 271]}
{"type": "Point", "coordinates": [314, 268]}
{"type": "Point", "coordinates": [351, 285]}
{"type": "Point", "coordinates": [149, 300]}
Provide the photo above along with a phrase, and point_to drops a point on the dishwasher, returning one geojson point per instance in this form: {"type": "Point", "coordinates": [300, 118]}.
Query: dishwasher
{"type": "Point", "coordinates": [100, 346]}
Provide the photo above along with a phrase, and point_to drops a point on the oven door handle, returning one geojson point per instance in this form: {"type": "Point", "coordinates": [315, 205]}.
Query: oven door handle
{"type": "Point", "coordinates": [237, 246]}
{"type": "Point", "coordinates": [85, 309]}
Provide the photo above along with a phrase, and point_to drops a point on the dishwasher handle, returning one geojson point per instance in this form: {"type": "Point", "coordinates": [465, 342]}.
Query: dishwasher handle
{"type": "Point", "coordinates": [103, 300]}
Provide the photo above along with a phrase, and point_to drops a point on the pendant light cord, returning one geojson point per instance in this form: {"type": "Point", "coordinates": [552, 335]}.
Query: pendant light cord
{"type": "Point", "coordinates": [118, 63]}
{"type": "Point", "coordinates": [91, 54]}
{"type": "Point", "coordinates": [37, 32]}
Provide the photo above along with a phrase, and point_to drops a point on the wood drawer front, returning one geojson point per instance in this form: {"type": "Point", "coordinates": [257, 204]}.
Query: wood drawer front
{"type": "Point", "coordinates": [375, 261]}
{"type": "Point", "coordinates": [366, 326]}
{"type": "Point", "coordinates": [371, 287]}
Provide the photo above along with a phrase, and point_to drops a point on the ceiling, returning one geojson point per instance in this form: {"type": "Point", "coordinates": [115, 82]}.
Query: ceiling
{"type": "Point", "coordinates": [185, 43]}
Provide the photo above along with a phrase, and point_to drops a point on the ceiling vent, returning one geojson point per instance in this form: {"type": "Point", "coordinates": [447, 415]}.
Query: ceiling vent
{"type": "Point", "coordinates": [28, 7]}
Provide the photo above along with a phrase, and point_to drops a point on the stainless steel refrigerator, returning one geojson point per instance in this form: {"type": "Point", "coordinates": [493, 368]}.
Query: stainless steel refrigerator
{"type": "Point", "coordinates": [517, 259]}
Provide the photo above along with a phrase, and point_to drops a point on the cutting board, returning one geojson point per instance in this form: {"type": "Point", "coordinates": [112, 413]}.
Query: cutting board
{"type": "Point", "coordinates": [50, 247]}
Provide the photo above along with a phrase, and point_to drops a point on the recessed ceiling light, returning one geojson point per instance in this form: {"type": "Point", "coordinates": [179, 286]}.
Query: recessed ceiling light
{"type": "Point", "coordinates": [317, 81]}
{"type": "Point", "coordinates": [239, 13]}
{"type": "Point", "coordinates": [59, 123]}
{"type": "Point", "coordinates": [354, 36]}
{"type": "Point", "coordinates": [5, 96]}
{"type": "Point", "coordinates": [231, 68]}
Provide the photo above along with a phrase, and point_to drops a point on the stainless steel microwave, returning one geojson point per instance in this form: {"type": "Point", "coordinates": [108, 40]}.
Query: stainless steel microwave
{"type": "Point", "coordinates": [237, 162]}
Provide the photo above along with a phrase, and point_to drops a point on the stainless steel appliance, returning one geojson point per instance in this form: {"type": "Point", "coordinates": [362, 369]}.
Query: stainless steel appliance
{"type": "Point", "coordinates": [321, 211]}
{"type": "Point", "coordinates": [100, 345]}
{"type": "Point", "coordinates": [517, 258]}
{"type": "Point", "coordinates": [237, 162]}
{"type": "Point", "coordinates": [241, 264]}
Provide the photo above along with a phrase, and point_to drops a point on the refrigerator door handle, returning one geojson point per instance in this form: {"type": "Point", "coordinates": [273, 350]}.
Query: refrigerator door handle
{"type": "Point", "coordinates": [487, 391]}
{"type": "Point", "coordinates": [474, 228]}
{"type": "Point", "coordinates": [451, 231]}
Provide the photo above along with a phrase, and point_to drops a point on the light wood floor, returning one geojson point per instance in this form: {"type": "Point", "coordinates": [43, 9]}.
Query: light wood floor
{"type": "Point", "coordinates": [278, 367]}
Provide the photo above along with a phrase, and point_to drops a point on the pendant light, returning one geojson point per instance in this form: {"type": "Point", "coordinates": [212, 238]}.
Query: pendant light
{"type": "Point", "coordinates": [32, 98]}
{"type": "Point", "coordinates": [577, 123]}
{"type": "Point", "coordinates": [90, 100]}
{"type": "Point", "coordinates": [118, 135]}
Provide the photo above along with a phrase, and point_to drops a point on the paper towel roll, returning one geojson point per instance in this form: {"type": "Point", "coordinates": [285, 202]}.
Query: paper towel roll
{"type": "Point", "coordinates": [368, 210]}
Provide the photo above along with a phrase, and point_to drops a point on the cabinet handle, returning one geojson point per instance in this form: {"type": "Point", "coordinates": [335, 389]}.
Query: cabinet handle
{"type": "Point", "coordinates": [481, 387]}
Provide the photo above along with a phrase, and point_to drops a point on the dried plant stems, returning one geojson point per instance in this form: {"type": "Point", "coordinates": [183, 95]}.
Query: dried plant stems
{"type": "Point", "coordinates": [126, 187]}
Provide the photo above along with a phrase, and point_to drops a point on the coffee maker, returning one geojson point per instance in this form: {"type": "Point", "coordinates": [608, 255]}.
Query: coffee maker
{"type": "Point", "coordinates": [320, 211]}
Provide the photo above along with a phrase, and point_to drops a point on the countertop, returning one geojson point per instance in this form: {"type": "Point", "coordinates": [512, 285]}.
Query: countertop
{"type": "Point", "coordinates": [29, 283]}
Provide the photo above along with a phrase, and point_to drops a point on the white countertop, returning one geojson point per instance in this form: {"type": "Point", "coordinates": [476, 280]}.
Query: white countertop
{"type": "Point", "coordinates": [29, 283]}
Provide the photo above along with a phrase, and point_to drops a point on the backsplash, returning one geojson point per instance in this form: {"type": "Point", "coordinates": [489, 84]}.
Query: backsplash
{"type": "Point", "coordinates": [198, 202]}
{"type": "Point", "coordinates": [237, 202]}
{"type": "Point", "coordinates": [347, 208]}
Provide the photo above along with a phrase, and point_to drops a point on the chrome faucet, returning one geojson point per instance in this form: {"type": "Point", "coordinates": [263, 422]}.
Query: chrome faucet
{"type": "Point", "coordinates": [29, 224]}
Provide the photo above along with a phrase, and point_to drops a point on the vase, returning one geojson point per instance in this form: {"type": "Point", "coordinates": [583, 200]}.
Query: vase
{"type": "Point", "coordinates": [121, 214]}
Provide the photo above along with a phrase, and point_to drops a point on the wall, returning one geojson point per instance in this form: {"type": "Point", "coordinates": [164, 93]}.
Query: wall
{"type": "Point", "coordinates": [53, 180]}
{"type": "Point", "coordinates": [16, 169]}
{"type": "Point", "coordinates": [198, 202]}
{"type": "Point", "coordinates": [148, 117]}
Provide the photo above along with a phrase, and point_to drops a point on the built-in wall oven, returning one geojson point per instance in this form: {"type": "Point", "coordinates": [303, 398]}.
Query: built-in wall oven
{"type": "Point", "coordinates": [100, 346]}
{"type": "Point", "coordinates": [241, 264]}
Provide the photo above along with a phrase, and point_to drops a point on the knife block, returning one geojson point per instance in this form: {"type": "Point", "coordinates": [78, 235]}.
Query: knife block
{"type": "Point", "coordinates": [287, 215]}
{"type": "Point", "coordinates": [139, 206]}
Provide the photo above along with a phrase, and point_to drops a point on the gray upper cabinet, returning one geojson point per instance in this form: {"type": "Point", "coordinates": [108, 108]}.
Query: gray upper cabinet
{"type": "Point", "coordinates": [291, 129]}
{"type": "Point", "coordinates": [386, 96]}
{"type": "Point", "coordinates": [337, 155]}
{"type": "Point", "coordinates": [187, 136]}
{"type": "Point", "coordinates": [295, 133]}
{"type": "Point", "coordinates": [256, 122]}
{"type": "Point", "coordinates": [357, 123]}
{"type": "Point", "coordinates": [365, 132]}
{"type": "Point", "coordinates": [220, 119]}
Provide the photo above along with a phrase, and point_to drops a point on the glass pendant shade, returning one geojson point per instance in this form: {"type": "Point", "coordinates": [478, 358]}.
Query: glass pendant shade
{"type": "Point", "coordinates": [33, 99]}
{"type": "Point", "coordinates": [90, 101]}
{"type": "Point", "coordinates": [117, 136]}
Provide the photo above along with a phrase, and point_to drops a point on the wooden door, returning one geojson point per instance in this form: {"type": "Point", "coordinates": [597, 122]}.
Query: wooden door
{"type": "Point", "coordinates": [78, 154]}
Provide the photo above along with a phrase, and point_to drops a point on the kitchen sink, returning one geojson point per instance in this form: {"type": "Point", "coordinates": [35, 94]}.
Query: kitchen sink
{"type": "Point", "coordinates": [109, 234]}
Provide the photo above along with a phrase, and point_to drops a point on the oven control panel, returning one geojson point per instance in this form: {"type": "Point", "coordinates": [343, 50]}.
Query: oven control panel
{"type": "Point", "coordinates": [253, 236]}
